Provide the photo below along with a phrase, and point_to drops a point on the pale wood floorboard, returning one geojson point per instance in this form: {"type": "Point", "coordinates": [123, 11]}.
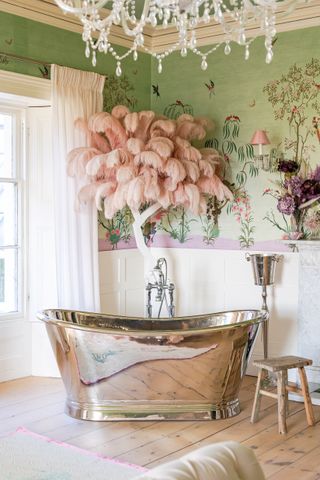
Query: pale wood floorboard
{"type": "Point", "coordinates": [38, 403]}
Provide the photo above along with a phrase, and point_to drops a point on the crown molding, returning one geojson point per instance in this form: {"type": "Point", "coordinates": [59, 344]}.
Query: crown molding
{"type": "Point", "coordinates": [157, 39]}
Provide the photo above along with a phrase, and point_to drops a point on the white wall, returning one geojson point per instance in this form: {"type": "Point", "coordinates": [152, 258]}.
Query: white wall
{"type": "Point", "coordinates": [207, 281]}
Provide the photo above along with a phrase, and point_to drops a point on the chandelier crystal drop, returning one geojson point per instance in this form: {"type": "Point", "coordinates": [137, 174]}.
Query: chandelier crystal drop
{"type": "Point", "coordinates": [236, 18]}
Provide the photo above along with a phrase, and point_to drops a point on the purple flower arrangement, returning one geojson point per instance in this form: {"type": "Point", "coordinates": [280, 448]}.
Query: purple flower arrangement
{"type": "Point", "coordinates": [296, 195]}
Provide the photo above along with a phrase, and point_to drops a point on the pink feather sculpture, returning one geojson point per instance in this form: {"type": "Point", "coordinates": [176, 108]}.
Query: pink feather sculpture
{"type": "Point", "coordinates": [145, 162]}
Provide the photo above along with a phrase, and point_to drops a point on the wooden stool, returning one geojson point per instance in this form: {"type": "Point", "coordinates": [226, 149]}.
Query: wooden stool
{"type": "Point", "coordinates": [280, 366]}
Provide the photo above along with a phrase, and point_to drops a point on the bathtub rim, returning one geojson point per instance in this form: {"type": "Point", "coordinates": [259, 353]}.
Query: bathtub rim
{"type": "Point", "coordinates": [262, 316]}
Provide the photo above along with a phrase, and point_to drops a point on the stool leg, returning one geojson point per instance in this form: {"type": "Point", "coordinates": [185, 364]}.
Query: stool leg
{"type": "Point", "coordinates": [285, 374]}
{"type": "Point", "coordinates": [306, 396]}
{"type": "Point", "coordinates": [282, 402]}
{"type": "Point", "coordinates": [257, 398]}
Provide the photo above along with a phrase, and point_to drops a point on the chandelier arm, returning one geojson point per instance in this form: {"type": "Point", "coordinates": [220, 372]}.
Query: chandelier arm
{"type": "Point", "coordinates": [137, 29]}
{"type": "Point", "coordinates": [79, 10]}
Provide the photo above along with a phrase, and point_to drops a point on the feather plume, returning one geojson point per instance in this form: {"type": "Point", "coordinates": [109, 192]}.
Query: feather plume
{"type": "Point", "coordinates": [77, 160]}
{"type": "Point", "coordinates": [103, 191]}
{"type": "Point", "coordinates": [88, 192]}
{"type": "Point", "coordinates": [161, 145]}
{"type": "Point", "coordinates": [93, 166]}
{"type": "Point", "coordinates": [135, 145]}
{"type": "Point", "coordinates": [185, 117]}
{"type": "Point", "coordinates": [105, 123]}
{"type": "Point", "coordinates": [149, 158]}
{"type": "Point", "coordinates": [206, 168]}
{"type": "Point", "coordinates": [185, 151]}
{"type": "Point", "coordinates": [145, 120]}
{"type": "Point", "coordinates": [120, 111]}
{"type": "Point", "coordinates": [113, 159]}
{"type": "Point", "coordinates": [192, 170]}
{"type": "Point", "coordinates": [125, 174]}
{"type": "Point", "coordinates": [165, 199]}
{"type": "Point", "coordinates": [151, 186]}
{"type": "Point", "coordinates": [163, 128]}
{"type": "Point", "coordinates": [135, 193]}
{"type": "Point", "coordinates": [214, 186]}
{"type": "Point", "coordinates": [193, 195]}
{"type": "Point", "coordinates": [131, 122]}
{"type": "Point", "coordinates": [211, 154]}
{"type": "Point", "coordinates": [176, 171]}
{"type": "Point", "coordinates": [100, 142]}
{"type": "Point", "coordinates": [109, 209]}
{"type": "Point", "coordinates": [203, 205]}
{"type": "Point", "coordinates": [190, 131]}
{"type": "Point", "coordinates": [119, 198]}
{"type": "Point", "coordinates": [135, 158]}
{"type": "Point", "coordinates": [179, 195]}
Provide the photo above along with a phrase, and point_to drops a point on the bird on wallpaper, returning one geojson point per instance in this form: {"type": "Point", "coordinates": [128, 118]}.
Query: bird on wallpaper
{"type": "Point", "coordinates": [44, 71]}
{"type": "Point", "coordinates": [9, 41]}
{"type": "Point", "coordinates": [210, 87]}
{"type": "Point", "coordinates": [155, 90]}
{"type": "Point", "coordinates": [252, 103]}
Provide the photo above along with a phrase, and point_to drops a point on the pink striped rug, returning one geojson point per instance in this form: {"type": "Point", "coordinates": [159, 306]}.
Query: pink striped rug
{"type": "Point", "coordinates": [25, 455]}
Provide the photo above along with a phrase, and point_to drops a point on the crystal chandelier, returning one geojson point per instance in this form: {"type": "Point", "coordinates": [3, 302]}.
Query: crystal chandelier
{"type": "Point", "coordinates": [234, 16]}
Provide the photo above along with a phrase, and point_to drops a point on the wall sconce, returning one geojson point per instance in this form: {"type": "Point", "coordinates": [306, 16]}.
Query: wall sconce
{"type": "Point", "coordinates": [263, 161]}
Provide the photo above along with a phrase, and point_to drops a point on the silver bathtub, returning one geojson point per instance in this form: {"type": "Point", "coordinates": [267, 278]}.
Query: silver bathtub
{"type": "Point", "coordinates": [122, 368]}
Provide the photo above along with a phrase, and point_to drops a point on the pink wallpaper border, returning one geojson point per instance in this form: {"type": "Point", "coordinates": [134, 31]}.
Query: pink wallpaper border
{"type": "Point", "coordinates": [196, 242]}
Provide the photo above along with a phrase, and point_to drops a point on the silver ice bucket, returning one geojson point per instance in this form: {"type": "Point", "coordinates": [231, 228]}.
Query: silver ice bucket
{"type": "Point", "coordinates": [263, 267]}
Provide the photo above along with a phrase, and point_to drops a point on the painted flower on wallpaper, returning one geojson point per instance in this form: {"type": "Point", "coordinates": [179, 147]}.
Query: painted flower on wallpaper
{"type": "Point", "coordinates": [146, 163]}
{"type": "Point", "coordinates": [118, 228]}
{"type": "Point", "coordinates": [242, 211]}
{"type": "Point", "coordinates": [295, 97]}
{"type": "Point", "coordinates": [298, 197]}
{"type": "Point", "coordinates": [244, 167]}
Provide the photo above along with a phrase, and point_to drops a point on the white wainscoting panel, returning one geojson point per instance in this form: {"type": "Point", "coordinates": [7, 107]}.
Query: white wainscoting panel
{"type": "Point", "coordinates": [122, 282]}
{"type": "Point", "coordinates": [207, 281]}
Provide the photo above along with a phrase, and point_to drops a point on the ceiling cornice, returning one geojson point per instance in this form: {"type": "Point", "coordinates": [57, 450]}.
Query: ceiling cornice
{"type": "Point", "coordinates": [46, 11]}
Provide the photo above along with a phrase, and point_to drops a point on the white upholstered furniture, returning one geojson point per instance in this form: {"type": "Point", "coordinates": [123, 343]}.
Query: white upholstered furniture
{"type": "Point", "coordinates": [220, 461]}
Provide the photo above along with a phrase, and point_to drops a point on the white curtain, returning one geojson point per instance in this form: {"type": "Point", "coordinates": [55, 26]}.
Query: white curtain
{"type": "Point", "coordinates": [75, 94]}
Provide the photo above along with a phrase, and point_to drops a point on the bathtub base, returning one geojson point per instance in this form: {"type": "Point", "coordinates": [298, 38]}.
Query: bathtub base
{"type": "Point", "coordinates": [116, 411]}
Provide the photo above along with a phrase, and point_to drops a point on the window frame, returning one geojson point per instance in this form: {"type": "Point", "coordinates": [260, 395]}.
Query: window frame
{"type": "Point", "coordinates": [19, 180]}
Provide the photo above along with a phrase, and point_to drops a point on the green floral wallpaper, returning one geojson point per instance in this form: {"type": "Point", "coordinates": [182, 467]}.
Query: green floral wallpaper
{"type": "Point", "coordinates": [240, 96]}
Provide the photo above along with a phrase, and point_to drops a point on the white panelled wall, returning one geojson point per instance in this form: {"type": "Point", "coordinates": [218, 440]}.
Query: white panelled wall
{"type": "Point", "coordinates": [206, 281]}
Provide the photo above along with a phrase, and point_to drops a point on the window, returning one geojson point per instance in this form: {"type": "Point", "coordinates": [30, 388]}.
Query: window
{"type": "Point", "coordinates": [10, 210]}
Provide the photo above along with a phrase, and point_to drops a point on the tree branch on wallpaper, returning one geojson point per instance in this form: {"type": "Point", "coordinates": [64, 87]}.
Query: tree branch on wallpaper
{"type": "Point", "coordinates": [146, 163]}
{"type": "Point", "coordinates": [295, 98]}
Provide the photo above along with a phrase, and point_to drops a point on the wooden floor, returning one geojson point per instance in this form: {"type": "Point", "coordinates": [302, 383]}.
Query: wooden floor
{"type": "Point", "coordinates": [37, 404]}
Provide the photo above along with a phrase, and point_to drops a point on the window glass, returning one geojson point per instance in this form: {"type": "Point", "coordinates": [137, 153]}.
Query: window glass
{"type": "Point", "coordinates": [8, 214]}
{"type": "Point", "coordinates": [6, 146]}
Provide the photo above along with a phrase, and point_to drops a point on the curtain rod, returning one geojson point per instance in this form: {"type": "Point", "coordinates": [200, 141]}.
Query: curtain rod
{"type": "Point", "coordinates": [24, 59]}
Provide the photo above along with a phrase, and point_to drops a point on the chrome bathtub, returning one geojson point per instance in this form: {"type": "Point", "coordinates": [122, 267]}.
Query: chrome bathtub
{"type": "Point", "coordinates": [122, 368]}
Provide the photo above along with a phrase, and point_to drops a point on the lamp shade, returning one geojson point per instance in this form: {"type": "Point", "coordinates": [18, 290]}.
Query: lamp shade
{"type": "Point", "coordinates": [260, 138]}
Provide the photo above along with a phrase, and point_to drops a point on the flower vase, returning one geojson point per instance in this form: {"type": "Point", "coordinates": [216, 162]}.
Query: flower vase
{"type": "Point", "coordinates": [296, 223]}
